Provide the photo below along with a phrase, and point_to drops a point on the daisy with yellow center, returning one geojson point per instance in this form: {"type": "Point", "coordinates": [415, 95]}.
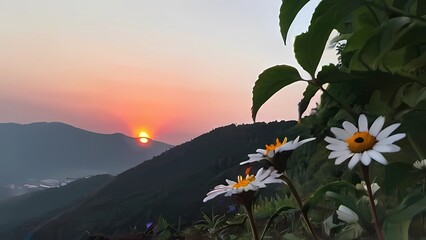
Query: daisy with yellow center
{"type": "Point", "coordinates": [363, 144]}
{"type": "Point", "coordinates": [272, 149]}
{"type": "Point", "coordinates": [248, 183]}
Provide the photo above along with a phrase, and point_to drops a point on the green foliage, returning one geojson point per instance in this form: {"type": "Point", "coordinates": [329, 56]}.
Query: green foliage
{"type": "Point", "coordinates": [266, 207]}
{"type": "Point", "coordinates": [319, 194]}
{"type": "Point", "coordinates": [398, 176]}
{"type": "Point", "coordinates": [309, 46]}
{"type": "Point", "coordinates": [161, 230]}
{"type": "Point", "coordinates": [397, 224]}
{"type": "Point", "coordinates": [288, 12]}
{"type": "Point", "coordinates": [211, 223]}
{"type": "Point", "coordinates": [309, 93]}
{"type": "Point", "coordinates": [271, 81]}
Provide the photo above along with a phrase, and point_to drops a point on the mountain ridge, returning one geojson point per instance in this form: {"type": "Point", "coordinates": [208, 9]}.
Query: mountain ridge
{"type": "Point", "coordinates": [172, 184]}
{"type": "Point", "coordinates": [59, 151]}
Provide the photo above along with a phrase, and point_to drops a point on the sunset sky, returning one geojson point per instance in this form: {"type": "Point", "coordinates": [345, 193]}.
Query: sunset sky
{"type": "Point", "coordinates": [176, 69]}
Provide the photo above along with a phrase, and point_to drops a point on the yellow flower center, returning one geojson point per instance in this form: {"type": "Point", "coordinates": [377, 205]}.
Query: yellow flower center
{"type": "Point", "coordinates": [243, 182]}
{"type": "Point", "coordinates": [277, 144]}
{"type": "Point", "coordinates": [360, 142]}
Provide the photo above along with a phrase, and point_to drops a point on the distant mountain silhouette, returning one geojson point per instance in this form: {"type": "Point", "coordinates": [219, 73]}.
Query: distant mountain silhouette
{"type": "Point", "coordinates": [29, 210]}
{"type": "Point", "coordinates": [59, 151]}
{"type": "Point", "coordinates": [172, 184]}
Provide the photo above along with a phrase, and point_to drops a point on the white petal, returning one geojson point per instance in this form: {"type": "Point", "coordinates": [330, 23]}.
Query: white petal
{"type": "Point", "coordinates": [377, 126]}
{"type": "Point", "coordinates": [258, 184]}
{"type": "Point", "coordinates": [374, 188]}
{"type": "Point", "coordinates": [287, 147]}
{"type": "Point", "coordinates": [387, 131]}
{"type": "Point", "coordinates": [365, 159]}
{"type": "Point", "coordinates": [349, 127]}
{"type": "Point", "coordinates": [346, 214]}
{"type": "Point", "coordinates": [271, 154]}
{"type": "Point", "coordinates": [334, 140]}
{"type": "Point", "coordinates": [261, 151]}
{"type": "Point", "coordinates": [420, 164]}
{"type": "Point", "coordinates": [354, 160]}
{"type": "Point", "coordinates": [305, 141]}
{"type": "Point", "coordinates": [253, 158]}
{"type": "Point", "coordinates": [336, 154]}
{"type": "Point", "coordinates": [262, 174]}
{"type": "Point", "coordinates": [340, 133]}
{"type": "Point", "coordinates": [214, 194]}
{"type": "Point", "coordinates": [392, 138]}
{"type": "Point", "coordinates": [378, 157]}
{"type": "Point", "coordinates": [341, 159]}
{"type": "Point", "coordinates": [273, 180]}
{"type": "Point", "coordinates": [252, 187]}
{"type": "Point", "coordinates": [229, 182]}
{"type": "Point", "coordinates": [336, 147]}
{"type": "Point", "coordinates": [296, 139]}
{"type": "Point", "coordinates": [362, 123]}
{"type": "Point", "coordinates": [386, 148]}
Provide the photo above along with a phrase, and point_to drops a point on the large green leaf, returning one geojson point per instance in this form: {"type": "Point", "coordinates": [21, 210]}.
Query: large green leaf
{"type": "Point", "coordinates": [382, 42]}
{"type": "Point", "coordinates": [319, 194]}
{"type": "Point", "coordinates": [309, 46]}
{"type": "Point", "coordinates": [397, 224]}
{"type": "Point", "coordinates": [271, 81]}
{"type": "Point", "coordinates": [396, 176]}
{"type": "Point", "coordinates": [288, 12]}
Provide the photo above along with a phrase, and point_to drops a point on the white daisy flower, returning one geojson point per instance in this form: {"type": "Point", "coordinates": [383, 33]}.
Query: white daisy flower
{"type": "Point", "coordinates": [249, 183]}
{"type": "Point", "coordinates": [421, 165]}
{"type": "Point", "coordinates": [363, 144]}
{"type": "Point", "coordinates": [346, 214]}
{"type": "Point", "coordinates": [272, 149]}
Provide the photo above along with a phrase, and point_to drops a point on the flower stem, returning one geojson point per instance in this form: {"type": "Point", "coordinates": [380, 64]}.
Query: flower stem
{"type": "Point", "coordinates": [300, 204]}
{"type": "Point", "coordinates": [365, 172]}
{"type": "Point", "coordinates": [249, 210]}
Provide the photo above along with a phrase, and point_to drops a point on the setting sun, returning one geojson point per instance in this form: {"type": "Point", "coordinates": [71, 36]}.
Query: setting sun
{"type": "Point", "coordinates": [144, 137]}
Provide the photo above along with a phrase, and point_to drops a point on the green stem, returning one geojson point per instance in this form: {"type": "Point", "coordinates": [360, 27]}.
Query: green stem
{"type": "Point", "coordinates": [249, 211]}
{"type": "Point", "coordinates": [377, 226]}
{"type": "Point", "coordinates": [300, 204]}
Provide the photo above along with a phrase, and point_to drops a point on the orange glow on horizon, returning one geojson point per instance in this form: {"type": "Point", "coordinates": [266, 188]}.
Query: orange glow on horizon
{"type": "Point", "coordinates": [144, 137]}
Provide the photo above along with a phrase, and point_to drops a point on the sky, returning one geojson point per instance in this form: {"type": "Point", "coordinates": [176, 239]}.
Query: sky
{"type": "Point", "coordinates": [176, 69]}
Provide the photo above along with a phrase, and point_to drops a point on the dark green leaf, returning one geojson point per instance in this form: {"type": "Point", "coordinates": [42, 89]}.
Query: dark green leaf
{"type": "Point", "coordinates": [307, 96]}
{"type": "Point", "coordinates": [373, 51]}
{"type": "Point", "coordinates": [352, 231]}
{"type": "Point", "coordinates": [271, 219]}
{"type": "Point", "coordinates": [309, 46]}
{"type": "Point", "coordinates": [332, 74]}
{"type": "Point", "coordinates": [377, 106]}
{"type": "Point", "coordinates": [397, 224]}
{"type": "Point", "coordinates": [288, 12]}
{"type": "Point", "coordinates": [396, 175]}
{"type": "Point", "coordinates": [342, 200]}
{"type": "Point", "coordinates": [271, 81]}
{"type": "Point", "coordinates": [318, 195]}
